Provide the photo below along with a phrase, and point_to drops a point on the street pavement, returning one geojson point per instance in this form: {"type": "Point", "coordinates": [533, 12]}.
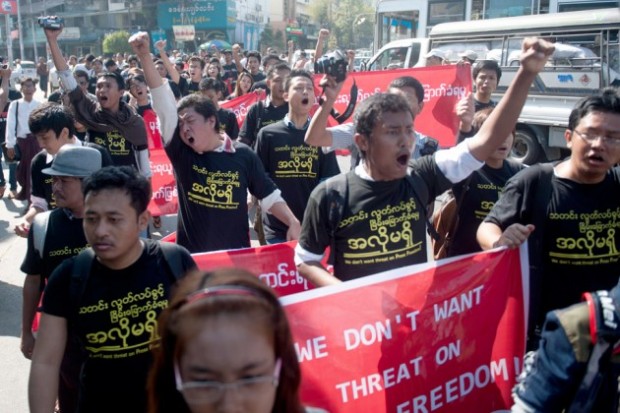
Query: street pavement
{"type": "Point", "coordinates": [14, 367]}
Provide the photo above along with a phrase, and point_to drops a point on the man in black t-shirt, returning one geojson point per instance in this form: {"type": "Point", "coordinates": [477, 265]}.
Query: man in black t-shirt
{"type": "Point", "coordinates": [377, 222]}
{"type": "Point", "coordinates": [294, 166]}
{"type": "Point", "coordinates": [111, 122]}
{"type": "Point", "coordinates": [213, 173]}
{"type": "Point", "coordinates": [53, 126]}
{"type": "Point", "coordinates": [57, 236]}
{"type": "Point", "coordinates": [486, 75]}
{"type": "Point", "coordinates": [272, 110]}
{"type": "Point", "coordinates": [569, 213]}
{"type": "Point", "coordinates": [113, 305]}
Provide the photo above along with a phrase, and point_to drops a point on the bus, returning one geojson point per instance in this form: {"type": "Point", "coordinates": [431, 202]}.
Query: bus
{"type": "Point", "coordinates": [586, 59]}
{"type": "Point", "coordinates": [403, 19]}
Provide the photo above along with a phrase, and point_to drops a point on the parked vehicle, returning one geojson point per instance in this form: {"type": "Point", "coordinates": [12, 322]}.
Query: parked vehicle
{"type": "Point", "coordinates": [23, 70]}
{"type": "Point", "coordinates": [587, 58]}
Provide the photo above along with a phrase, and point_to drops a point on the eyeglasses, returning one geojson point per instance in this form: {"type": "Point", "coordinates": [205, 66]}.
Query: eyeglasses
{"type": "Point", "coordinates": [205, 392]}
{"type": "Point", "coordinates": [611, 140]}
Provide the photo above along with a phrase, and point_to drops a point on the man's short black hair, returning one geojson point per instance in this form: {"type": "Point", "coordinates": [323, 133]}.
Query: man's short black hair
{"type": "Point", "coordinates": [276, 68]}
{"type": "Point", "coordinates": [109, 63]}
{"type": "Point", "coordinates": [408, 81]}
{"type": "Point", "coordinates": [113, 75]}
{"type": "Point", "coordinates": [487, 65]}
{"type": "Point", "coordinates": [125, 178]}
{"type": "Point", "coordinates": [201, 105]}
{"type": "Point", "coordinates": [607, 101]}
{"type": "Point", "coordinates": [51, 116]}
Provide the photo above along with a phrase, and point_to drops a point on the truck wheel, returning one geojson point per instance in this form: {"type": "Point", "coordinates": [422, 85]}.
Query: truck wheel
{"type": "Point", "coordinates": [526, 148]}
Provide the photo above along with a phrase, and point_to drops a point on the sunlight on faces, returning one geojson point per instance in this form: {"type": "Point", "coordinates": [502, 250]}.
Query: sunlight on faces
{"type": "Point", "coordinates": [300, 95]}
{"type": "Point", "coordinates": [276, 84]}
{"type": "Point", "coordinates": [195, 130]}
{"type": "Point", "coordinates": [246, 84]}
{"type": "Point", "coordinates": [161, 69]}
{"type": "Point", "coordinates": [108, 93]}
{"type": "Point", "coordinates": [50, 142]}
{"type": "Point", "coordinates": [138, 89]}
{"type": "Point", "coordinates": [389, 147]}
{"type": "Point", "coordinates": [503, 151]}
{"type": "Point", "coordinates": [486, 82]}
{"type": "Point", "coordinates": [592, 160]}
{"type": "Point", "coordinates": [410, 96]}
{"type": "Point", "coordinates": [67, 191]}
{"type": "Point", "coordinates": [226, 348]}
{"type": "Point", "coordinates": [112, 226]}
{"type": "Point", "coordinates": [253, 65]}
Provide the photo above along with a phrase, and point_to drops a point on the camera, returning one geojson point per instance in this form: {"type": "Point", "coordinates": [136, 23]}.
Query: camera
{"type": "Point", "coordinates": [333, 64]}
{"type": "Point", "coordinates": [54, 23]}
{"type": "Point", "coordinates": [4, 66]}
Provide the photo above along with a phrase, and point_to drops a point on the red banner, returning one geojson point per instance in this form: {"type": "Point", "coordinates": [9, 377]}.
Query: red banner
{"type": "Point", "coordinates": [165, 199]}
{"type": "Point", "coordinates": [273, 264]}
{"type": "Point", "coordinates": [443, 87]}
{"type": "Point", "coordinates": [8, 7]}
{"type": "Point", "coordinates": [241, 104]}
{"type": "Point", "coordinates": [440, 338]}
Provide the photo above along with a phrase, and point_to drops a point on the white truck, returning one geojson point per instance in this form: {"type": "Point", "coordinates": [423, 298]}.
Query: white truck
{"type": "Point", "coordinates": [586, 59]}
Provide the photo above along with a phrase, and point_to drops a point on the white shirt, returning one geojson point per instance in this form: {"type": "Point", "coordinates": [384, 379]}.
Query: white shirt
{"type": "Point", "coordinates": [23, 112]}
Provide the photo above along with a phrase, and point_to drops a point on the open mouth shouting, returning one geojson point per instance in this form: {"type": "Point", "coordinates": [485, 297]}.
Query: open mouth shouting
{"type": "Point", "coordinates": [403, 159]}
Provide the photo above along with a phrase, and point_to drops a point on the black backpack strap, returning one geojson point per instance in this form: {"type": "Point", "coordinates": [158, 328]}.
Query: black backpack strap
{"type": "Point", "coordinates": [173, 260]}
{"type": "Point", "coordinates": [605, 328]}
{"type": "Point", "coordinates": [337, 192]}
{"type": "Point", "coordinates": [82, 265]}
{"type": "Point", "coordinates": [423, 207]}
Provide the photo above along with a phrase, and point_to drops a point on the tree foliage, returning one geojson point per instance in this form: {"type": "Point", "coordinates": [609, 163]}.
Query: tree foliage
{"type": "Point", "coordinates": [116, 42]}
{"type": "Point", "coordinates": [351, 22]}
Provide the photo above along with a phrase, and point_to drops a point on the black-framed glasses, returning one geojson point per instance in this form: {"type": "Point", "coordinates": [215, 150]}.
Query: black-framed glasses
{"type": "Point", "coordinates": [211, 391]}
{"type": "Point", "coordinates": [611, 140]}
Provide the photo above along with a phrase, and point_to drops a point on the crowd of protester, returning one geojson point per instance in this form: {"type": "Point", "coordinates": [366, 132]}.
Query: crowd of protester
{"type": "Point", "coordinates": [282, 161]}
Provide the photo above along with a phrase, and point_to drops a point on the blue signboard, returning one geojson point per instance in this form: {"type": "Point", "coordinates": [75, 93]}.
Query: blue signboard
{"type": "Point", "coordinates": [202, 14]}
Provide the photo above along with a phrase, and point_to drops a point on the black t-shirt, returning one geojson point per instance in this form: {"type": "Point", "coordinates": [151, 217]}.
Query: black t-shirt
{"type": "Point", "coordinates": [295, 167]}
{"type": "Point", "coordinates": [481, 105]}
{"type": "Point", "coordinates": [64, 239]}
{"type": "Point", "coordinates": [484, 188]}
{"type": "Point", "coordinates": [42, 183]}
{"type": "Point", "coordinates": [230, 75]}
{"type": "Point", "coordinates": [228, 122]}
{"type": "Point", "coordinates": [580, 235]}
{"type": "Point", "coordinates": [212, 188]}
{"type": "Point", "coordinates": [383, 224]}
{"type": "Point", "coordinates": [116, 322]}
{"type": "Point", "coordinates": [120, 149]}
{"type": "Point", "coordinates": [260, 115]}
{"type": "Point", "coordinates": [258, 77]}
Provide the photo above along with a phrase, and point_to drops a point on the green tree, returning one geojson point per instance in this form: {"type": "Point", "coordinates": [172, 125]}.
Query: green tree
{"type": "Point", "coordinates": [116, 42]}
{"type": "Point", "coordinates": [278, 40]}
{"type": "Point", "coordinates": [266, 37]}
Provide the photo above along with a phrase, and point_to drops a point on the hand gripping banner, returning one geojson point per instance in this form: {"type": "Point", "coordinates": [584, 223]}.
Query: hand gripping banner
{"type": "Point", "coordinates": [438, 337]}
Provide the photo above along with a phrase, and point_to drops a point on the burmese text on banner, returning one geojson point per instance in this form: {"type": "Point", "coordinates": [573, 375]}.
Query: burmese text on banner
{"type": "Point", "coordinates": [274, 264]}
{"type": "Point", "coordinates": [440, 337]}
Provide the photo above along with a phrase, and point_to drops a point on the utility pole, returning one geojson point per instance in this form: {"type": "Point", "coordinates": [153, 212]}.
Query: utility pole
{"type": "Point", "coordinates": [19, 30]}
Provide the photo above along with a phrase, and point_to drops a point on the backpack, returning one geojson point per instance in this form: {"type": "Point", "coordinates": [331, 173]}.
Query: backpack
{"type": "Point", "coordinates": [39, 230]}
{"type": "Point", "coordinates": [445, 220]}
{"type": "Point", "coordinates": [605, 336]}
